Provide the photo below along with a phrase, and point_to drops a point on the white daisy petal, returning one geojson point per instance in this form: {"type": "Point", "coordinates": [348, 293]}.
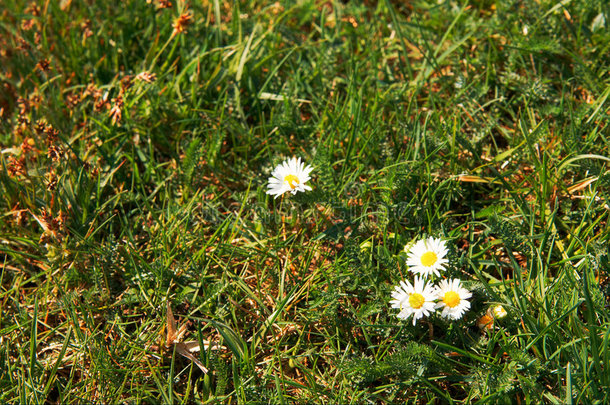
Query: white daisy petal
{"type": "Point", "coordinates": [415, 299]}
{"type": "Point", "coordinates": [427, 257]}
{"type": "Point", "coordinates": [290, 176]}
{"type": "Point", "coordinates": [453, 299]}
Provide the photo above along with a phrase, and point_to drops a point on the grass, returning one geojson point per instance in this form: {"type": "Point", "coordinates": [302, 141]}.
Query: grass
{"type": "Point", "coordinates": [136, 147]}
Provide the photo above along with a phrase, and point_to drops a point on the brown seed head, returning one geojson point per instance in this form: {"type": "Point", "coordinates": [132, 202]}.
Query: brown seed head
{"type": "Point", "coordinates": [16, 167]}
{"type": "Point", "coordinates": [40, 126]}
{"type": "Point", "coordinates": [115, 111]}
{"type": "Point", "coordinates": [51, 181]}
{"type": "Point", "coordinates": [72, 99]}
{"type": "Point", "coordinates": [146, 77]}
{"type": "Point", "coordinates": [44, 65]}
{"type": "Point", "coordinates": [33, 9]}
{"type": "Point", "coordinates": [85, 28]}
{"type": "Point", "coordinates": [181, 23]}
{"type": "Point", "coordinates": [27, 25]}
{"type": "Point", "coordinates": [126, 82]}
{"type": "Point", "coordinates": [21, 216]}
{"type": "Point", "coordinates": [51, 133]}
{"type": "Point", "coordinates": [27, 145]}
{"type": "Point", "coordinates": [23, 45]}
{"type": "Point", "coordinates": [23, 104]}
{"type": "Point", "coordinates": [164, 4]}
{"type": "Point", "coordinates": [54, 153]}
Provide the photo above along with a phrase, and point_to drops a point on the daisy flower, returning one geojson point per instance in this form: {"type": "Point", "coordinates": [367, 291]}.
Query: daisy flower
{"type": "Point", "coordinates": [289, 176]}
{"type": "Point", "coordinates": [427, 257]}
{"type": "Point", "coordinates": [415, 299]}
{"type": "Point", "coordinates": [453, 299]}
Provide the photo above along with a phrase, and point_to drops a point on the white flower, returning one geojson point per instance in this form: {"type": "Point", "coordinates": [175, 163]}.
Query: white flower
{"type": "Point", "coordinates": [453, 299]}
{"type": "Point", "coordinates": [289, 176]}
{"type": "Point", "coordinates": [415, 299]}
{"type": "Point", "coordinates": [427, 257]}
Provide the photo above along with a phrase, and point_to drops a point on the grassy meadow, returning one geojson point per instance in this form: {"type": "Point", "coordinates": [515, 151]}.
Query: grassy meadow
{"type": "Point", "coordinates": [138, 138]}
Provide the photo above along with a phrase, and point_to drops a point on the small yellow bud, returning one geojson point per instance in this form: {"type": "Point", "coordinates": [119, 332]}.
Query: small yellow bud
{"type": "Point", "coordinates": [499, 312]}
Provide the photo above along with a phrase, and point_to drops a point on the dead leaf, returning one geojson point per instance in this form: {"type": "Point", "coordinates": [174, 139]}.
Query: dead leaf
{"type": "Point", "coordinates": [183, 350]}
{"type": "Point", "coordinates": [476, 179]}
{"type": "Point", "coordinates": [581, 185]}
{"type": "Point", "coordinates": [171, 326]}
{"type": "Point", "coordinates": [174, 337]}
{"type": "Point", "coordinates": [186, 349]}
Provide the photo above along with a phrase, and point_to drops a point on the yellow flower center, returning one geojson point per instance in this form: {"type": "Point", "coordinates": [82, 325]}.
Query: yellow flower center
{"type": "Point", "coordinates": [416, 300]}
{"type": "Point", "coordinates": [451, 299]}
{"type": "Point", "coordinates": [428, 259]}
{"type": "Point", "coordinates": [292, 180]}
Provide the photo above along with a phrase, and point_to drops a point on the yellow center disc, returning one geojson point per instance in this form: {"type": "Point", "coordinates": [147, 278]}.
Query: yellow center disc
{"type": "Point", "coordinates": [416, 300]}
{"type": "Point", "coordinates": [451, 299]}
{"type": "Point", "coordinates": [292, 181]}
{"type": "Point", "coordinates": [428, 259]}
